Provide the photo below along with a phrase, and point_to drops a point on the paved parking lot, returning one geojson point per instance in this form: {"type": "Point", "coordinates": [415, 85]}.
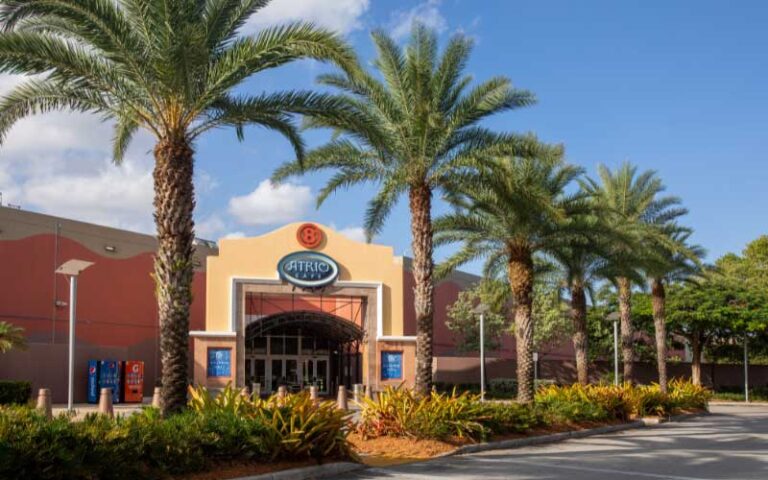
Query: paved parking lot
{"type": "Point", "coordinates": [731, 443]}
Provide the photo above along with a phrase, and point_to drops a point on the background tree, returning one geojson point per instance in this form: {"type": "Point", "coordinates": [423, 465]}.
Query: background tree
{"type": "Point", "coordinates": [169, 68]}
{"type": "Point", "coordinates": [633, 205]}
{"type": "Point", "coordinates": [508, 211]}
{"type": "Point", "coordinates": [410, 133]}
{"type": "Point", "coordinates": [465, 323]}
{"type": "Point", "coordinates": [715, 308]}
{"type": "Point", "coordinates": [11, 337]}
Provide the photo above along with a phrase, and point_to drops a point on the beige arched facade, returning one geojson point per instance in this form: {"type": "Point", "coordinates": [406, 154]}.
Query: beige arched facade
{"type": "Point", "coordinates": [243, 288]}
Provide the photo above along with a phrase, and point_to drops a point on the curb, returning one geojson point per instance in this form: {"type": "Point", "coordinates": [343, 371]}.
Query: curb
{"type": "Point", "coordinates": [738, 404]}
{"type": "Point", "coordinates": [308, 473]}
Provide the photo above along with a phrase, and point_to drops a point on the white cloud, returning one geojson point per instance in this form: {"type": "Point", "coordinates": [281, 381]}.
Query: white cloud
{"type": "Point", "coordinates": [109, 195]}
{"type": "Point", "coordinates": [210, 227]}
{"type": "Point", "coordinates": [354, 233]}
{"type": "Point", "coordinates": [271, 204]}
{"type": "Point", "coordinates": [339, 15]}
{"type": "Point", "coordinates": [427, 13]}
{"type": "Point", "coordinates": [235, 235]}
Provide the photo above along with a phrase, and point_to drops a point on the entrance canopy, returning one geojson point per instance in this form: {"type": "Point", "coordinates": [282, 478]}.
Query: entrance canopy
{"type": "Point", "coordinates": [311, 323]}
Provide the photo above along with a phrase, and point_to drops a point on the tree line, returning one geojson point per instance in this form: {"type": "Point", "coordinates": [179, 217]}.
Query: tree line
{"type": "Point", "coordinates": [412, 125]}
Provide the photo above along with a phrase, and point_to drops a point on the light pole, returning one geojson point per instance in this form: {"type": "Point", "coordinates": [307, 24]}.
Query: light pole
{"type": "Point", "coordinates": [480, 310]}
{"type": "Point", "coordinates": [614, 317]}
{"type": "Point", "coordinates": [746, 369]}
{"type": "Point", "coordinates": [72, 269]}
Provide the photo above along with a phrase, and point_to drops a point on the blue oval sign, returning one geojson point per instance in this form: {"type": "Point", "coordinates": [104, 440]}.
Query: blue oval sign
{"type": "Point", "coordinates": [308, 269]}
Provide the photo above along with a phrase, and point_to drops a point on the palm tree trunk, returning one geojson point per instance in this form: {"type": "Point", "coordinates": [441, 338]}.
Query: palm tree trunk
{"type": "Point", "coordinates": [627, 333]}
{"type": "Point", "coordinates": [520, 271]}
{"type": "Point", "coordinates": [174, 202]}
{"type": "Point", "coordinates": [420, 202]}
{"type": "Point", "coordinates": [696, 360]}
{"type": "Point", "coordinates": [579, 317]}
{"type": "Point", "coordinates": [658, 300]}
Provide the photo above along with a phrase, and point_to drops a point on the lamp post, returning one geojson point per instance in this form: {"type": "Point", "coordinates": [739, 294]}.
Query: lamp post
{"type": "Point", "coordinates": [480, 310]}
{"type": "Point", "coordinates": [614, 317]}
{"type": "Point", "coordinates": [746, 369]}
{"type": "Point", "coordinates": [72, 269]}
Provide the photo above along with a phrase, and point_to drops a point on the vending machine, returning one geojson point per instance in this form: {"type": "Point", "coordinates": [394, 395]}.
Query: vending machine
{"type": "Point", "coordinates": [133, 384]}
{"type": "Point", "coordinates": [93, 381]}
{"type": "Point", "coordinates": [109, 377]}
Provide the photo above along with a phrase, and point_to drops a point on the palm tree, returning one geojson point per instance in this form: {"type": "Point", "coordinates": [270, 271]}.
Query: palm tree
{"type": "Point", "coordinates": [581, 267]}
{"type": "Point", "coordinates": [11, 337]}
{"type": "Point", "coordinates": [632, 205]}
{"type": "Point", "coordinates": [170, 68]}
{"type": "Point", "coordinates": [670, 260]}
{"type": "Point", "coordinates": [510, 211]}
{"type": "Point", "coordinates": [410, 132]}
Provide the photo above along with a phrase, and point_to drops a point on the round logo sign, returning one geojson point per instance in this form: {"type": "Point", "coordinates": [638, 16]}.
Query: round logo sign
{"type": "Point", "coordinates": [309, 235]}
{"type": "Point", "coordinates": [308, 269]}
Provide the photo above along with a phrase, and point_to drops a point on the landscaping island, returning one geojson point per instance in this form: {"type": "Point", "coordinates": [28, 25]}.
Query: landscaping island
{"type": "Point", "coordinates": [231, 434]}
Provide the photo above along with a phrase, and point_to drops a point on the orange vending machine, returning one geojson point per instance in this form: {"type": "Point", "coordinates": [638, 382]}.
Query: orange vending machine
{"type": "Point", "coordinates": [134, 381]}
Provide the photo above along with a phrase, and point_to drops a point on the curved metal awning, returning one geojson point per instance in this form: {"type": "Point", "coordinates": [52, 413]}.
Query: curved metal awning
{"type": "Point", "coordinates": [317, 323]}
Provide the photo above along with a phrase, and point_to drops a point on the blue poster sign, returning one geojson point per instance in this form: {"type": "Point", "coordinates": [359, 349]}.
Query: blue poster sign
{"type": "Point", "coordinates": [219, 362]}
{"type": "Point", "coordinates": [391, 365]}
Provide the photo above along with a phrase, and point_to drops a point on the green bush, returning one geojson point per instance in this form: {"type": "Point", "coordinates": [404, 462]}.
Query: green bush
{"type": "Point", "coordinates": [216, 430]}
{"type": "Point", "coordinates": [14, 392]}
{"type": "Point", "coordinates": [505, 418]}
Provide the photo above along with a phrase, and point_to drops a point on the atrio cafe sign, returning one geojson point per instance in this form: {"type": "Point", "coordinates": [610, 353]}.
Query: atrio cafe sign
{"type": "Point", "coordinates": [308, 269]}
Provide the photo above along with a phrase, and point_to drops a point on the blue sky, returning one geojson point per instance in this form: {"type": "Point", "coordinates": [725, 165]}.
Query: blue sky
{"type": "Point", "coordinates": [678, 87]}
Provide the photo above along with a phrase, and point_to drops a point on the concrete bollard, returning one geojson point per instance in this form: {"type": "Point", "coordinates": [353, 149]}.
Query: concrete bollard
{"type": "Point", "coordinates": [44, 402]}
{"type": "Point", "coordinates": [156, 397]}
{"type": "Point", "coordinates": [244, 392]}
{"type": "Point", "coordinates": [358, 392]}
{"type": "Point", "coordinates": [256, 390]}
{"type": "Point", "coordinates": [313, 394]}
{"type": "Point", "coordinates": [341, 399]}
{"type": "Point", "coordinates": [105, 402]}
{"type": "Point", "coordinates": [282, 392]}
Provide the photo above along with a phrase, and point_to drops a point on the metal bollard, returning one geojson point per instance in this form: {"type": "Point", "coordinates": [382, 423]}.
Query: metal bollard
{"type": "Point", "coordinates": [44, 402]}
{"type": "Point", "coordinates": [105, 402]}
{"type": "Point", "coordinates": [341, 399]}
{"type": "Point", "coordinates": [313, 394]}
{"type": "Point", "coordinates": [156, 397]}
{"type": "Point", "coordinates": [358, 392]}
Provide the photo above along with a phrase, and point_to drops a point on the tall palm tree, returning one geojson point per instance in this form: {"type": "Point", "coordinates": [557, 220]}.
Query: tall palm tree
{"type": "Point", "coordinates": [581, 267]}
{"type": "Point", "coordinates": [170, 68]}
{"type": "Point", "coordinates": [509, 211]}
{"type": "Point", "coordinates": [11, 337]}
{"type": "Point", "coordinates": [633, 205]}
{"type": "Point", "coordinates": [411, 131]}
{"type": "Point", "coordinates": [670, 260]}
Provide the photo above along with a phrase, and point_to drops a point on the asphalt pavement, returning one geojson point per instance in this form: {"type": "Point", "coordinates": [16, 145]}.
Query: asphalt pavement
{"type": "Point", "coordinates": [730, 443]}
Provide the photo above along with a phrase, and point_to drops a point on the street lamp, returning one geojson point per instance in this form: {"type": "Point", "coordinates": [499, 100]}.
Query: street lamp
{"type": "Point", "coordinates": [72, 269]}
{"type": "Point", "coordinates": [746, 369]}
{"type": "Point", "coordinates": [480, 310]}
{"type": "Point", "coordinates": [615, 317]}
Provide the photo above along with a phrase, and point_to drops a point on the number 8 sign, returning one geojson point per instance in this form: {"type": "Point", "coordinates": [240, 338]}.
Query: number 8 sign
{"type": "Point", "coordinates": [309, 235]}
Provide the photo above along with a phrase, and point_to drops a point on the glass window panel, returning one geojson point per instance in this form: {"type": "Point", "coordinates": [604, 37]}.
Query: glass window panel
{"type": "Point", "coordinates": [276, 345]}
{"type": "Point", "coordinates": [307, 345]}
{"type": "Point", "coordinates": [259, 345]}
{"type": "Point", "coordinates": [277, 374]}
{"type": "Point", "coordinates": [291, 372]}
{"type": "Point", "coordinates": [291, 345]}
{"type": "Point", "coordinates": [322, 345]}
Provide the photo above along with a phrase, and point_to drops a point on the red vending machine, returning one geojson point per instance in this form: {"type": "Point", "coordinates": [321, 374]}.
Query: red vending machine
{"type": "Point", "coordinates": [134, 381]}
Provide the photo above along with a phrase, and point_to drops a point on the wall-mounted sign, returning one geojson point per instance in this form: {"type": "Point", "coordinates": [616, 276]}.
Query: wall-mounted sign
{"type": "Point", "coordinates": [219, 362]}
{"type": "Point", "coordinates": [391, 365]}
{"type": "Point", "coordinates": [309, 235]}
{"type": "Point", "coordinates": [308, 269]}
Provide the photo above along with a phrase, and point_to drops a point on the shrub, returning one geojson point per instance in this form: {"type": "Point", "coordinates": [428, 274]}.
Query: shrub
{"type": "Point", "coordinates": [14, 392]}
{"type": "Point", "coordinates": [687, 396]}
{"type": "Point", "coordinates": [292, 427]}
{"type": "Point", "coordinates": [504, 418]}
{"type": "Point", "coordinates": [399, 412]}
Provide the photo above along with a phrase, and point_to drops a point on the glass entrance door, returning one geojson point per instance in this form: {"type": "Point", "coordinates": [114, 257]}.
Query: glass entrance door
{"type": "Point", "coordinates": [315, 372]}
